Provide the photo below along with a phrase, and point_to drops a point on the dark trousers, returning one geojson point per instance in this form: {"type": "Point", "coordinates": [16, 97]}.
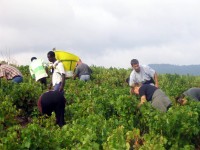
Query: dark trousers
{"type": "Point", "coordinates": [54, 101]}
{"type": "Point", "coordinates": [43, 81]}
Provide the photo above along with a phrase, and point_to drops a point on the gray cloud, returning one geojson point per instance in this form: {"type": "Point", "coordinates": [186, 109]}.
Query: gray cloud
{"type": "Point", "coordinates": [104, 33]}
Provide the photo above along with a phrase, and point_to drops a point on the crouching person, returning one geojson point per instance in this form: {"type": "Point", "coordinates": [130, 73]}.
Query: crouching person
{"type": "Point", "coordinates": [190, 94]}
{"type": "Point", "coordinates": [151, 94]}
{"type": "Point", "coordinates": [53, 101]}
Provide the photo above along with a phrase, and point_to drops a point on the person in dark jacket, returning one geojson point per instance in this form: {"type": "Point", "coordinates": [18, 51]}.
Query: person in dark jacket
{"type": "Point", "coordinates": [152, 94]}
{"type": "Point", "coordinates": [191, 93]}
{"type": "Point", "coordinates": [53, 101]}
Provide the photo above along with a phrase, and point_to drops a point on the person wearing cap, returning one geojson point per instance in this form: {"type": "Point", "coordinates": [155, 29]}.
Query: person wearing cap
{"type": "Point", "coordinates": [38, 70]}
{"type": "Point", "coordinates": [58, 76]}
{"type": "Point", "coordinates": [152, 94]}
{"type": "Point", "coordinates": [82, 71]}
{"type": "Point", "coordinates": [191, 93]}
{"type": "Point", "coordinates": [142, 74]}
{"type": "Point", "coordinates": [53, 101]}
{"type": "Point", "coordinates": [10, 73]}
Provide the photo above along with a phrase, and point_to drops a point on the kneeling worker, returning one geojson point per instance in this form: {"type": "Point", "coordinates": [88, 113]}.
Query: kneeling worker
{"type": "Point", "coordinates": [53, 101]}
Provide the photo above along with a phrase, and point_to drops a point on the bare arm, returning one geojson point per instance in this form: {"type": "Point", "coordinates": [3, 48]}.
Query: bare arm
{"type": "Point", "coordinates": [156, 79]}
{"type": "Point", "coordinates": [50, 85]}
{"type": "Point", "coordinates": [131, 91]}
{"type": "Point", "coordinates": [62, 83]}
{"type": "Point", "coordinates": [74, 76]}
{"type": "Point", "coordinates": [142, 100]}
{"type": "Point", "coordinates": [75, 73]}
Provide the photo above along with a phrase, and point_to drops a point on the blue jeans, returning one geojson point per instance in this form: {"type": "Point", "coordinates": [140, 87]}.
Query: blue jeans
{"type": "Point", "coordinates": [17, 79]}
{"type": "Point", "coordinates": [57, 86]}
{"type": "Point", "coordinates": [85, 77]}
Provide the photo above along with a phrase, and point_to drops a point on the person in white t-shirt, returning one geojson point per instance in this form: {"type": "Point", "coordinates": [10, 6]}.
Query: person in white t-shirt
{"type": "Point", "coordinates": [38, 70]}
{"type": "Point", "coordinates": [58, 76]}
{"type": "Point", "coordinates": [142, 74]}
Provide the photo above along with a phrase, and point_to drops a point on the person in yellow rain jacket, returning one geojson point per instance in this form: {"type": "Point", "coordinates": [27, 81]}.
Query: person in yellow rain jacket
{"type": "Point", "coordinates": [38, 70]}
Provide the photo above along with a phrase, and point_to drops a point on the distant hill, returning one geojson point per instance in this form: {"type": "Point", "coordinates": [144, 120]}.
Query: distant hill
{"type": "Point", "coordinates": [175, 69]}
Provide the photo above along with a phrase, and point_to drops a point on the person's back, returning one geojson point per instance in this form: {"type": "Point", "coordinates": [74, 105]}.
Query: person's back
{"type": "Point", "coordinates": [193, 93]}
{"type": "Point", "coordinates": [83, 71]}
{"type": "Point", "coordinates": [53, 101]}
{"type": "Point", "coordinates": [156, 96]}
{"type": "Point", "coordinates": [37, 69]}
{"type": "Point", "coordinates": [10, 73]}
{"type": "Point", "coordinates": [147, 90]}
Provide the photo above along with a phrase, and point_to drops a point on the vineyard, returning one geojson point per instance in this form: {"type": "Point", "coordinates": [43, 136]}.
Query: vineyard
{"type": "Point", "coordinates": [100, 115]}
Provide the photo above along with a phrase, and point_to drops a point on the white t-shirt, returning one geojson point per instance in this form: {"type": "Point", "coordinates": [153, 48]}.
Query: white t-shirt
{"type": "Point", "coordinates": [145, 74]}
{"type": "Point", "coordinates": [57, 73]}
{"type": "Point", "coordinates": [37, 69]}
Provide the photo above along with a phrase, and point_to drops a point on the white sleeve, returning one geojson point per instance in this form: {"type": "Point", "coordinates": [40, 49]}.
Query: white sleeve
{"type": "Point", "coordinates": [149, 71]}
{"type": "Point", "coordinates": [61, 68]}
{"type": "Point", "coordinates": [131, 79]}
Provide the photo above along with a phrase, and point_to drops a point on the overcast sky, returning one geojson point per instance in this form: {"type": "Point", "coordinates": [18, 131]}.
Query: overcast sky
{"type": "Point", "coordinates": [102, 32]}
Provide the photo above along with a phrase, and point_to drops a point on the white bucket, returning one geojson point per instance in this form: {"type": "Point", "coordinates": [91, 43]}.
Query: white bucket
{"type": "Point", "coordinates": [69, 73]}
